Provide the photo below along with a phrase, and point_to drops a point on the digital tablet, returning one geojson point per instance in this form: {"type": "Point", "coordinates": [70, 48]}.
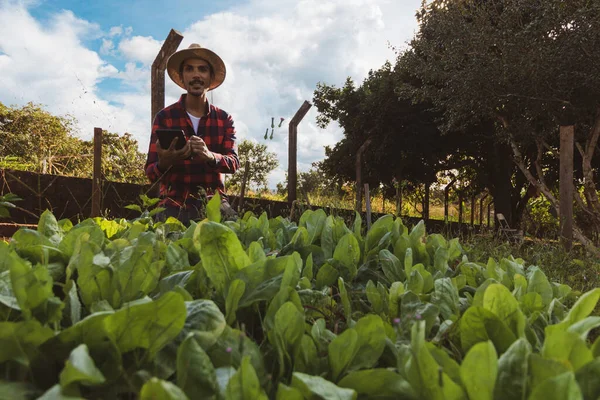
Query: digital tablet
{"type": "Point", "coordinates": [165, 137]}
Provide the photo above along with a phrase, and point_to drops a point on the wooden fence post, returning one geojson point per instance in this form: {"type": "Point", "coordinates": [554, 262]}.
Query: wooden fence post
{"type": "Point", "coordinates": [481, 210]}
{"type": "Point", "coordinates": [567, 134]}
{"type": "Point", "coordinates": [472, 210]}
{"type": "Point", "coordinates": [358, 166]}
{"type": "Point", "coordinates": [293, 149]}
{"type": "Point", "coordinates": [97, 174]}
{"type": "Point", "coordinates": [157, 77]}
{"type": "Point", "coordinates": [368, 206]}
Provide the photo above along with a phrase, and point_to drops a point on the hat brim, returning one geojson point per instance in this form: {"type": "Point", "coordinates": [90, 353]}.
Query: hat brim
{"type": "Point", "coordinates": [174, 62]}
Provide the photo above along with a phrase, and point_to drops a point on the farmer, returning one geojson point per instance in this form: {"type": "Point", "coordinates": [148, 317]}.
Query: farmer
{"type": "Point", "coordinates": [189, 177]}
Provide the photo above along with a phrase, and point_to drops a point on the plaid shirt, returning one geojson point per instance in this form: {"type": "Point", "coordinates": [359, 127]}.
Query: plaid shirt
{"type": "Point", "coordinates": [181, 183]}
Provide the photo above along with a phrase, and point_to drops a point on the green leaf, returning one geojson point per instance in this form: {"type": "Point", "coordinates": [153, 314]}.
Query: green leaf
{"type": "Point", "coordinates": [542, 369]}
{"type": "Point", "coordinates": [306, 358]}
{"type": "Point", "coordinates": [231, 347]}
{"type": "Point", "coordinates": [424, 373]}
{"type": "Point", "coordinates": [234, 294]}
{"type": "Point", "coordinates": [381, 227]}
{"type": "Point", "coordinates": [587, 379]}
{"type": "Point", "coordinates": [374, 297]}
{"type": "Point", "coordinates": [287, 332]}
{"type": "Point", "coordinates": [567, 347]}
{"type": "Point", "coordinates": [256, 252]}
{"type": "Point", "coordinates": [478, 371]}
{"type": "Point", "coordinates": [345, 299]}
{"type": "Point", "coordinates": [580, 310]}
{"type": "Point", "coordinates": [513, 372]}
{"type": "Point", "coordinates": [48, 226]}
{"type": "Point", "coordinates": [391, 266]}
{"type": "Point", "coordinates": [18, 391]}
{"type": "Point", "coordinates": [285, 392]}
{"type": "Point", "coordinates": [195, 372]}
{"type": "Point", "coordinates": [395, 294]}
{"type": "Point", "coordinates": [371, 341]}
{"type": "Point", "coordinates": [326, 276]}
{"type": "Point", "coordinates": [317, 387]}
{"type": "Point", "coordinates": [80, 368]}
{"type": "Point", "coordinates": [498, 299]}
{"type": "Point", "coordinates": [19, 341]}
{"type": "Point", "coordinates": [342, 351]}
{"type": "Point", "coordinates": [157, 389]}
{"type": "Point", "coordinates": [176, 258]}
{"type": "Point", "coordinates": [446, 298]}
{"type": "Point", "coordinates": [55, 393]}
{"type": "Point", "coordinates": [561, 387]}
{"type": "Point", "coordinates": [479, 325]}
{"type": "Point", "coordinates": [314, 222]}
{"type": "Point", "coordinates": [221, 252]}
{"type": "Point", "coordinates": [134, 207]}
{"type": "Point", "coordinates": [583, 327]}
{"type": "Point", "coordinates": [213, 208]}
{"type": "Point", "coordinates": [244, 384]}
{"type": "Point", "coordinates": [347, 252]}
{"type": "Point", "coordinates": [32, 288]}
{"type": "Point", "coordinates": [538, 283]}
{"type": "Point", "coordinates": [378, 383]}
{"type": "Point", "coordinates": [205, 320]}
{"type": "Point", "coordinates": [148, 325]}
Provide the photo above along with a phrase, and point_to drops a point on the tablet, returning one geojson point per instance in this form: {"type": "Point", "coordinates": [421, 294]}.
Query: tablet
{"type": "Point", "coordinates": [165, 137]}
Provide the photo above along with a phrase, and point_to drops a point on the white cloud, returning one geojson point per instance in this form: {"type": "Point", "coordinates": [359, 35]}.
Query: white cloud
{"type": "Point", "coordinates": [140, 49]}
{"type": "Point", "coordinates": [107, 47]}
{"type": "Point", "coordinates": [275, 53]}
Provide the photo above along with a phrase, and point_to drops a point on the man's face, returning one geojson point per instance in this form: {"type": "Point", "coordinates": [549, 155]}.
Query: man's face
{"type": "Point", "coordinates": [196, 76]}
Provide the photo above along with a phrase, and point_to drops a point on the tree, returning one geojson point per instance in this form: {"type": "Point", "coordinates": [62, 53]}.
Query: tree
{"type": "Point", "coordinates": [261, 163]}
{"type": "Point", "coordinates": [525, 67]}
{"type": "Point", "coordinates": [32, 139]}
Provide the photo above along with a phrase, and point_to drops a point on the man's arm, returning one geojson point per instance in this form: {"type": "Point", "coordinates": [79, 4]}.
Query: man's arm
{"type": "Point", "coordinates": [227, 162]}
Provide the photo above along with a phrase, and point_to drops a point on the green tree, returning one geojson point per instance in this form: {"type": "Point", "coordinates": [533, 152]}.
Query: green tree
{"type": "Point", "coordinates": [261, 162]}
{"type": "Point", "coordinates": [525, 67]}
{"type": "Point", "coordinates": [32, 139]}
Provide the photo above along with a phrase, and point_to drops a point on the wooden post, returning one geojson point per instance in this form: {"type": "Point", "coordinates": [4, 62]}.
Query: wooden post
{"type": "Point", "coordinates": [244, 180]}
{"type": "Point", "coordinates": [446, 201]}
{"type": "Point", "coordinates": [481, 210]}
{"type": "Point", "coordinates": [157, 77]}
{"type": "Point", "coordinates": [460, 208]}
{"type": "Point", "coordinates": [472, 211]}
{"type": "Point", "coordinates": [292, 150]}
{"type": "Point", "coordinates": [489, 213]}
{"type": "Point", "coordinates": [567, 134]}
{"type": "Point", "coordinates": [399, 200]}
{"type": "Point", "coordinates": [368, 205]}
{"type": "Point", "coordinates": [426, 202]}
{"type": "Point", "coordinates": [97, 174]}
{"type": "Point", "coordinates": [358, 166]}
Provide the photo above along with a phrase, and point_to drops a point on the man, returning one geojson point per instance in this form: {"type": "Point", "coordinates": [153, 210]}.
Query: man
{"type": "Point", "coordinates": [191, 175]}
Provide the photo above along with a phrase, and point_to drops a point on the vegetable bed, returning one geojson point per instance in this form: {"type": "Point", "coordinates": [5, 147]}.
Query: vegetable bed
{"type": "Point", "coordinates": [263, 308]}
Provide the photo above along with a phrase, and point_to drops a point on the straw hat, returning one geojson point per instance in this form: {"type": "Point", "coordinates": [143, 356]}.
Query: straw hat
{"type": "Point", "coordinates": [196, 51]}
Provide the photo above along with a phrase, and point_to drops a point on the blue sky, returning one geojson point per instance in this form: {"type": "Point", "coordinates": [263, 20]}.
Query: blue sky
{"type": "Point", "coordinates": [91, 59]}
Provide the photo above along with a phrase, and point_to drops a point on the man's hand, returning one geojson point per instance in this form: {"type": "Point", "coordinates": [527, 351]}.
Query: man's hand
{"type": "Point", "coordinates": [200, 149]}
{"type": "Point", "coordinates": [168, 157]}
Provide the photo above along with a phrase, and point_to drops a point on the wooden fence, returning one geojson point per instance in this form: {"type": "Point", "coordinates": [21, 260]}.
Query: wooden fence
{"type": "Point", "coordinates": [70, 197]}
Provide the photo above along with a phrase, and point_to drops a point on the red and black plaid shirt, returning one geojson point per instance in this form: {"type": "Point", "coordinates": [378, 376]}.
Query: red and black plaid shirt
{"type": "Point", "coordinates": [180, 185]}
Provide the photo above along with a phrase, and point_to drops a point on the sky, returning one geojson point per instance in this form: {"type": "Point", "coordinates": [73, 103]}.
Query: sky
{"type": "Point", "coordinates": [91, 59]}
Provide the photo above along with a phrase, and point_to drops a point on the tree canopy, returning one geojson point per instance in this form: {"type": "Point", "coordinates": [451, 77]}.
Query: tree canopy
{"type": "Point", "coordinates": [32, 139]}
{"type": "Point", "coordinates": [261, 162]}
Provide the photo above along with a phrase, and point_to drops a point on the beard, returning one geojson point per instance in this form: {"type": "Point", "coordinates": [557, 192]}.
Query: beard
{"type": "Point", "coordinates": [196, 92]}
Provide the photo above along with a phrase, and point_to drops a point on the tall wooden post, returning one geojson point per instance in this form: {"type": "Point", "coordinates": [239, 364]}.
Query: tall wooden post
{"type": "Point", "coordinates": [426, 201]}
{"type": "Point", "coordinates": [481, 210]}
{"type": "Point", "coordinates": [489, 218]}
{"type": "Point", "coordinates": [292, 150]}
{"type": "Point", "coordinates": [472, 211]}
{"type": "Point", "coordinates": [358, 166]}
{"type": "Point", "coordinates": [97, 174]}
{"type": "Point", "coordinates": [368, 206]}
{"type": "Point", "coordinates": [157, 78]}
{"type": "Point", "coordinates": [460, 208]}
{"type": "Point", "coordinates": [567, 134]}
{"type": "Point", "coordinates": [446, 198]}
